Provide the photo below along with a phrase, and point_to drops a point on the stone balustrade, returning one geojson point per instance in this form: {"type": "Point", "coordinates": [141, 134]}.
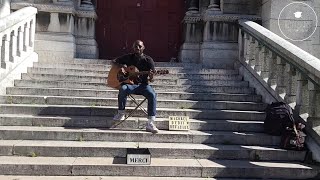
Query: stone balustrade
{"type": "Point", "coordinates": [17, 33]}
{"type": "Point", "coordinates": [285, 72]}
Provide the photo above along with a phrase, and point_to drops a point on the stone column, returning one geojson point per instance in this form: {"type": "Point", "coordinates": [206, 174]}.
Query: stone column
{"type": "Point", "coordinates": [193, 6]}
{"type": "Point", "coordinates": [214, 5]}
{"type": "Point", "coordinates": [87, 4]}
{"type": "Point", "coordinates": [206, 32]}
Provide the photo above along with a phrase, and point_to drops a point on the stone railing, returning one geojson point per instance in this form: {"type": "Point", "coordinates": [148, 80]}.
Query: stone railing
{"type": "Point", "coordinates": [17, 33]}
{"type": "Point", "coordinates": [280, 71]}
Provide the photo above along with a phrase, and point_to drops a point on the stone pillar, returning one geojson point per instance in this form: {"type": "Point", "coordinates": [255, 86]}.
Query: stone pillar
{"type": "Point", "coordinates": [86, 4]}
{"type": "Point", "coordinates": [189, 52]}
{"type": "Point", "coordinates": [193, 6]}
{"type": "Point", "coordinates": [206, 32]}
{"type": "Point", "coordinates": [214, 5]}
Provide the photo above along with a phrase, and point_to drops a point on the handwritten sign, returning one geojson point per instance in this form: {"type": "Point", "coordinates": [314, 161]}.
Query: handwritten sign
{"type": "Point", "coordinates": [179, 123]}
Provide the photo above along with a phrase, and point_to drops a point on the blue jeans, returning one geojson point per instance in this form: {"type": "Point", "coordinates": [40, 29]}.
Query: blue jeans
{"type": "Point", "coordinates": [141, 89]}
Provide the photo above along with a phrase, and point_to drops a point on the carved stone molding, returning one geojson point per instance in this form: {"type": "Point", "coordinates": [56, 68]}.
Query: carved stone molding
{"type": "Point", "coordinates": [45, 7]}
{"type": "Point", "coordinates": [192, 18]}
{"type": "Point", "coordinates": [86, 14]}
{"type": "Point", "coordinates": [230, 17]}
{"type": "Point", "coordinates": [57, 9]}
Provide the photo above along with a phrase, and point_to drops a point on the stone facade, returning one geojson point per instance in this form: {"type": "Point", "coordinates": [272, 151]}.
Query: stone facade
{"type": "Point", "coordinates": [65, 29]}
{"type": "Point", "coordinates": [211, 30]}
{"type": "Point", "coordinates": [271, 9]}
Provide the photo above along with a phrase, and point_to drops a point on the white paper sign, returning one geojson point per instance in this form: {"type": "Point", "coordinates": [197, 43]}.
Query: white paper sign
{"type": "Point", "coordinates": [179, 123]}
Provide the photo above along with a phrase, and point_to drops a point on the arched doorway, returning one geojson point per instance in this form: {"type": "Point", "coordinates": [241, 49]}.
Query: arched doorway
{"type": "Point", "coordinates": [157, 22]}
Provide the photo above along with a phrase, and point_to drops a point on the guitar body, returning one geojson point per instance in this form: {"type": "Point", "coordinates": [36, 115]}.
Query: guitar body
{"type": "Point", "coordinates": [113, 80]}
{"type": "Point", "coordinates": [116, 77]}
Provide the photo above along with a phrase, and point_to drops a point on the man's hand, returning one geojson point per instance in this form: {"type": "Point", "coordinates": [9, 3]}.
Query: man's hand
{"type": "Point", "coordinates": [151, 73]}
{"type": "Point", "coordinates": [123, 71]}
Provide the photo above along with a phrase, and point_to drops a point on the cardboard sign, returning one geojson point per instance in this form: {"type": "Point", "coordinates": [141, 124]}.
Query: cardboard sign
{"type": "Point", "coordinates": [179, 123]}
{"type": "Point", "coordinates": [138, 156]}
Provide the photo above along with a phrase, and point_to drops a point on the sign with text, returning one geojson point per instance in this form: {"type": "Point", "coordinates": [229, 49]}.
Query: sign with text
{"type": "Point", "coordinates": [179, 123]}
{"type": "Point", "coordinates": [138, 156]}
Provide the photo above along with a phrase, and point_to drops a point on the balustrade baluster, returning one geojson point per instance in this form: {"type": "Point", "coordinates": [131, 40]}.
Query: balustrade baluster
{"type": "Point", "coordinates": [252, 49]}
{"type": "Point", "coordinates": [13, 45]}
{"type": "Point", "coordinates": [272, 80]}
{"type": "Point", "coordinates": [3, 64]}
{"type": "Point", "coordinates": [291, 84]}
{"type": "Point", "coordinates": [5, 49]}
{"type": "Point", "coordinates": [20, 41]}
{"type": "Point", "coordinates": [302, 98]}
{"type": "Point", "coordinates": [246, 47]}
{"type": "Point", "coordinates": [265, 64]}
{"type": "Point", "coordinates": [241, 42]}
{"type": "Point", "coordinates": [281, 87]}
{"type": "Point", "coordinates": [32, 32]}
{"type": "Point", "coordinates": [314, 106]}
{"type": "Point", "coordinates": [258, 58]}
{"type": "Point", "coordinates": [26, 37]}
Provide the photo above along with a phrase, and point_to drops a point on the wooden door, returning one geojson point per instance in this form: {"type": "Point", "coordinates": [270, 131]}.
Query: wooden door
{"type": "Point", "coordinates": [156, 22]}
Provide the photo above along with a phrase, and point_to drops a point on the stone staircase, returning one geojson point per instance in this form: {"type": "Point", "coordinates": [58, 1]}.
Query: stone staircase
{"type": "Point", "coordinates": [55, 122]}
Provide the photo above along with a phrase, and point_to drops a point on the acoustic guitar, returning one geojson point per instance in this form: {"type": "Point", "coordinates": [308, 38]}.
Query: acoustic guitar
{"type": "Point", "coordinates": [116, 76]}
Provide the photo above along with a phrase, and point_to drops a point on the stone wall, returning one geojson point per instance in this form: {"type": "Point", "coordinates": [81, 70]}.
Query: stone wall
{"type": "Point", "coordinates": [211, 31]}
{"type": "Point", "coordinates": [273, 9]}
{"type": "Point", "coordinates": [4, 8]}
{"type": "Point", "coordinates": [248, 7]}
{"type": "Point", "coordinates": [65, 29]}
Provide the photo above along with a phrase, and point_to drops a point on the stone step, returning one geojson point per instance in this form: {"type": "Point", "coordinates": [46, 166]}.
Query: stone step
{"type": "Point", "coordinates": [104, 74]}
{"type": "Point", "coordinates": [157, 150]}
{"type": "Point", "coordinates": [218, 86]}
{"type": "Point", "coordinates": [103, 80]}
{"type": "Point", "coordinates": [114, 93]}
{"type": "Point", "coordinates": [97, 166]}
{"type": "Point", "coordinates": [72, 110]}
{"type": "Point", "coordinates": [108, 62]}
{"type": "Point", "coordinates": [8, 177]}
{"type": "Point", "coordinates": [130, 135]}
{"type": "Point", "coordinates": [161, 103]}
{"type": "Point", "coordinates": [130, 123]}
{"type": "Point", "coordinates": [97, 76]}
{"type": "Point", "coordinates": [96, 67]}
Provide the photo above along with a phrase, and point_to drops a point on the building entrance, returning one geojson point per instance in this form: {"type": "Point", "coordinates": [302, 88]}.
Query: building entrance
{"type": "Point", "coordinates": [156, 22]}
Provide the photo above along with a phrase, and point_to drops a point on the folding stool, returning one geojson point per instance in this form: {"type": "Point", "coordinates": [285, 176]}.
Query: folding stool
{"type": "Point", "coordinates": [138, 105]}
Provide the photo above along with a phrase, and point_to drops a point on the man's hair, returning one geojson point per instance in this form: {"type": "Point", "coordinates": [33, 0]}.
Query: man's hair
{"type": "Point", "coordinates": [137, 42]}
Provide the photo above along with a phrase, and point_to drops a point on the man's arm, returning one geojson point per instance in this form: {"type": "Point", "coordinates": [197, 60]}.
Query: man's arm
{"type": "Point", "coordinates": [152, 69]}
{"type": "Point", "coordinates": [120, 62]}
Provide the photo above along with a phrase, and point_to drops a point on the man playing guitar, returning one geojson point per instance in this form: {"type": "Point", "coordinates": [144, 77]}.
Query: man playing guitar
{"type": "Point", "coordinates": [141, 87]}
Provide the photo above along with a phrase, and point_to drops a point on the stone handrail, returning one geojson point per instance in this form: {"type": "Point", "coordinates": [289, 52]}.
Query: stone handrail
{"type": "Point", "coordinates": [17, 32]}
{"type": "Point", "coordinates": [286, 72]}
